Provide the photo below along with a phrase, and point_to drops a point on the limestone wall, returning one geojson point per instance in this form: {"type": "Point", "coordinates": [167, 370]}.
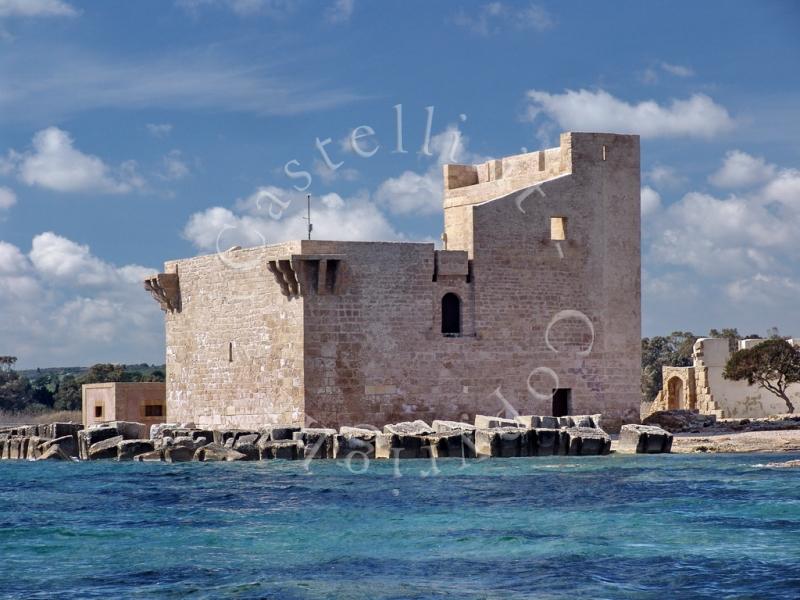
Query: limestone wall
{"type": "Point", "coordinates": [235, 349]}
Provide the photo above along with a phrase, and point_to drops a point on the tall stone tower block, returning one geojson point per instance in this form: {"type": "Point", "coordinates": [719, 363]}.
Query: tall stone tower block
{"type": "Point", "coordinates": [555, 233]}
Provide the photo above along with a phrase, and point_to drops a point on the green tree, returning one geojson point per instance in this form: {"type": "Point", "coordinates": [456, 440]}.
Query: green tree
{"type": "Point", "coordinates": [15, 391]}
{"type": "Point", "coordinates": [7, 362]}
{"type": "Point", "coordinates": [68, 394]}
{"type": "Point", "coordinates": [773, 364]}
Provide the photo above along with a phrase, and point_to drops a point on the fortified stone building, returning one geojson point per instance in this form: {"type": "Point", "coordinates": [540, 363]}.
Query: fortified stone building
{"type": "Point", "coordinates": [533, 305]}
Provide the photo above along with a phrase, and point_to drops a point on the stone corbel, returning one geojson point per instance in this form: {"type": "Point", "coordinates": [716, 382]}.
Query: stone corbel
{"type": "Point", "coordinates": [165, 288]}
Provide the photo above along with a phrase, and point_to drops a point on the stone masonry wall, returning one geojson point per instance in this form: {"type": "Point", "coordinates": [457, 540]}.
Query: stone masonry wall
{"type": "Point", "coordinates": [235, 349]}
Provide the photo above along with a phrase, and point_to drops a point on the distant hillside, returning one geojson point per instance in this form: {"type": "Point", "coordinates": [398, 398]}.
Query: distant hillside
{"type": "Point", "coordinates": [59, 372]}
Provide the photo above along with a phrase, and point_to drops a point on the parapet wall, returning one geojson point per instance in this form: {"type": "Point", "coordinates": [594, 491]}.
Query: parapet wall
{"type": "Point", "coordinates": [468, 184]}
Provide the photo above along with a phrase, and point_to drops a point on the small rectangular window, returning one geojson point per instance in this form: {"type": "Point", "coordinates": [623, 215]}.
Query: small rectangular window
{"type": "Point", "coordinates": [98, 412]}
{"type": "Point", "coordinates": [230, 351]}
{"type": "Point", "coordinates": [153, 410]}
{"type": "Point", "coordinates": [558, 228]}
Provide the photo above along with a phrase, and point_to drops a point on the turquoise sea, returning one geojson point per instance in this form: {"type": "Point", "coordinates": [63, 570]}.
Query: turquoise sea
{"type": "Point", "coordinates": [670, 526]}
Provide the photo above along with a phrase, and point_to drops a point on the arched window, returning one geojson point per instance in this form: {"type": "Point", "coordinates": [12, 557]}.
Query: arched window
{"type": "Point", "coordinates": [451, 315]}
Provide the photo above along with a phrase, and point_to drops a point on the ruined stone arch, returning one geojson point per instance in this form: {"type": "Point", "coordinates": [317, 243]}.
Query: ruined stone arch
{"type": "Point", "coordinates": [675, 393]}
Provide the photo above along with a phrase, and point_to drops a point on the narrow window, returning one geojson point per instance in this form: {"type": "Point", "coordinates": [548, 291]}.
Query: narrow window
{"type": "Point", "coordinates": [558, 228]}
{"type": "Point", "coordinates": [451, 315]}
{"type": "Point", "coordinates": [605, 153]}
{"type": "Point", "coordinates": [153, 410]}
{"type": "Point", "coordinates": [562, 399]}
{"type": "Point", "coordinates": [98, 411]}
{"type": "Point", "coordinates": [230, 351]}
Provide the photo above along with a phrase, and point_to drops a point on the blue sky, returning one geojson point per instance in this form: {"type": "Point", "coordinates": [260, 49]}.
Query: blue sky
{"type": "Point", "coordinates": [133, 133]}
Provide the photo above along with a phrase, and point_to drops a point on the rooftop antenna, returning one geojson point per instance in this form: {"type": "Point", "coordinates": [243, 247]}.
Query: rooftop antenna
{"type": "Point", "coordinates": [308, 212]}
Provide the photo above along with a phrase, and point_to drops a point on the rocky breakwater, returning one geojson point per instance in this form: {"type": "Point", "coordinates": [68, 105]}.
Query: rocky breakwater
{"type": "Point", "coordinates": [488, 437]}
{"type": "Point", "coordinates": [51, 441]}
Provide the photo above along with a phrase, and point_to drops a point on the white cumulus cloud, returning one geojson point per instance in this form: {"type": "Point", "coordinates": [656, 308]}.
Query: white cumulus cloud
{"type": "Point", "coordinates": [651, 201]}
{"type": "Point", "coordinates": [55, 163]}
{"type": "Point", "coordinates": [586, 110]}
{"type": "Point", "coordinates": [62, 305]}
{"type": "Point", "coordinates": [740, 169]}
{"type": "Point", "coordinates": [36, 8]}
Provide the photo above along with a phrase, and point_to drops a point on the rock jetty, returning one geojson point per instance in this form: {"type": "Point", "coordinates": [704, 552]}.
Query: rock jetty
{"type": "Point", "coordinates": [494, 437]}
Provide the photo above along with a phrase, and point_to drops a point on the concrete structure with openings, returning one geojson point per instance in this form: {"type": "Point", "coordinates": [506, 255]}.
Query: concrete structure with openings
{"type": "Point", "coordinates": [702, 387]}
{"type": "Point", "coordinates": [141, 402]}
{"type": "Point", "coordinates": [533, 305]}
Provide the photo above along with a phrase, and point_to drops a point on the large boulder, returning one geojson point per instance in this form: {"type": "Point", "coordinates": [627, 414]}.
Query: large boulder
{"type": "Point", "coordinates": [502, 442]}
{"type": "Point", "coordinates": [586, 441]}
{"type": "Point", "coordinates": [393, 445]}
{"type": "Point", "coordinates": [417, 427]}
{"type": "Point", "coordinates": [54, 452]}
{"type": "Point", "coordinates": [317, 443]}
{"type": "Point", "coordinates": [449, 444]}
{"type": "Point", "coordinates": [179, 454]}
{"type": "Point", "coordinates": [67, 443]}
{"type": "Point", "coordinates": [280, 449]}
{"type": "Point", "coordinates": [680, 420]}
{"type": "Point", "coordinates": [545, 441]}
{"type": "Point", "coordinates": [644, 439]}
{"type": "Point", "coordinates": [88, 437]}
{"type": "Point", "coordinates": [129, 449]}
{"type": "Point", "coordinates": [354, 443]}
{"type": "Point", "coordinates": [215, 452]}
{"type": "Point", "coordinates": [105, 449]}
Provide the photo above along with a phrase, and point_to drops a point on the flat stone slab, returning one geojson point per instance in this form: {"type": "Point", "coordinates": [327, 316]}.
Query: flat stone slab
{"type": "Point", "coordinates": [448, 426]}
{"type": "Point", "coordinates": [644, 439]}
{"type": "Point", "coordinates": [417, 427]}
{"type": "Point", "coordinates": [488, 422]}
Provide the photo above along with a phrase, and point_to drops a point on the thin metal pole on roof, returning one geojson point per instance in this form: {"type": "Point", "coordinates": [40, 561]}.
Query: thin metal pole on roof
{"type": "Point", "coordinates": [308, 218]}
